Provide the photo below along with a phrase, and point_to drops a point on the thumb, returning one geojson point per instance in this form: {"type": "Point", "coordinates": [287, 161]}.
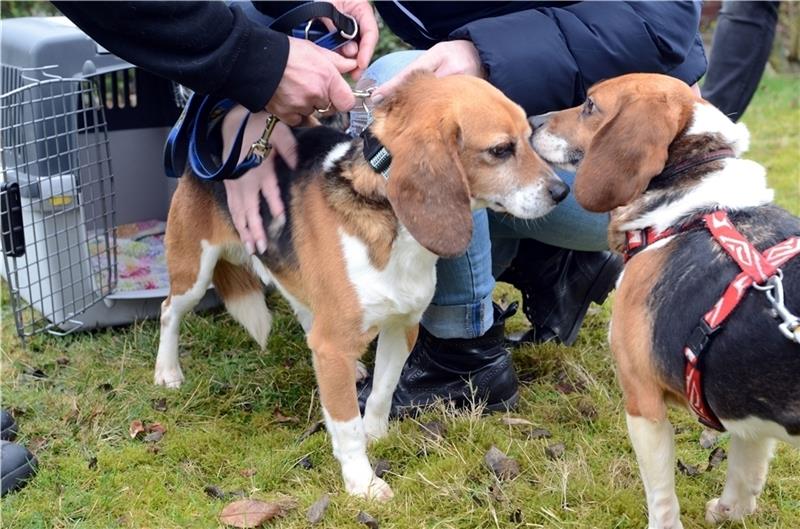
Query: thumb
{"type": "Point", "coordinates": [342, 64]}
{"type": "Point", "coordinates": [340, 94]}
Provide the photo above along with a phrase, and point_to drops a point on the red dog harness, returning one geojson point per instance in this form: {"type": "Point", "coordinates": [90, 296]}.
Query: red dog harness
{"type": "Point", "coordinates": [761, 270]}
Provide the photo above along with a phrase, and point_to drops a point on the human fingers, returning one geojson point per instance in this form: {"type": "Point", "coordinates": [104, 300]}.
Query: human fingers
{"type": "Point", "coordinates": [285, 145]}
{"type": "Point", "coordinates": [340, 93]}
{"type": "Point", "coordinates": [238, 214]}
{"type": "Point", "coordinates": [255, 224]}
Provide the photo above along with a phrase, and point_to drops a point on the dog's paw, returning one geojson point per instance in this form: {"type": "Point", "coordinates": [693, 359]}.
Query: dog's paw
{"type": "Point", "coordinates": [718, 512]}
{"type": "Point", "coordinates": [375, 489]}
{"type": "Point", "coordinates": [170, 377]}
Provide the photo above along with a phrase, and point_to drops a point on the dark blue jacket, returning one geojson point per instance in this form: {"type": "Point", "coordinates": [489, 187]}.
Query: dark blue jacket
{"type": "Point", "coordinates": [545, 55]}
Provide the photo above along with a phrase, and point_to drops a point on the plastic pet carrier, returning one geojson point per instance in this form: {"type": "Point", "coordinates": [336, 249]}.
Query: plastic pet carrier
{"type": "Point", "coordinates": [84, 199]}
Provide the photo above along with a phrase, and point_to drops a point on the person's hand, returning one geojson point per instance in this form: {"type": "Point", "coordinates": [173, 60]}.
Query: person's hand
{"type": "Point", "coordinates": [312, 80]}
{"type": "Point", "coordinates": [446, 58]}
{"type": "Point", "coordinates": [244, 193]}
{"type": "Point", "coordinates": [362, 48]}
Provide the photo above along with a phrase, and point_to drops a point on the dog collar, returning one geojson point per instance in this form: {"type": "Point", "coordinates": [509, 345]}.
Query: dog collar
{"type": "Point", "coordinates": [377, 155]}
{"type": "Point", "coordinates": [690, 163]}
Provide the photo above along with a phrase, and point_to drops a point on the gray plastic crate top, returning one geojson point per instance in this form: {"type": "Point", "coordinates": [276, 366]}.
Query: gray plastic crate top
{"type": "Point", "coordinates": [34, 42]}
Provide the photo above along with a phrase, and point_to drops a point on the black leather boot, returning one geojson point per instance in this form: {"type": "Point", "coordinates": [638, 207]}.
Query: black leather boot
{"type": "Point", "coordinates": [557, 287]}
{"type": "Point", "coordinates": [460, 370]}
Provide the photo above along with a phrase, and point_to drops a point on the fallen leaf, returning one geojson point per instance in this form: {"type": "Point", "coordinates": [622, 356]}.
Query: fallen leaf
{"type": "Point", "coordinates": [539, 433]}
{"type": "Point", "coordinates": [311, 430]}
{"type": "Point", "coordinates": [689, 470]}
{"type": "Point", "coordinates": [136, 428]}
{"type": "Point", "coordinates": [92, 462]}
{"type": "Point", "coordinates": [433, 430]}
{"type": "Point", "coordinates": [156, 427]}
{"type": "Point", "coordinates": [62, 361]}
{"type": "Point", "coordinates": [159, 404]}
{"type": "Point", "coordinates": [516, 421]}
{"type": "Point", "coordinates": [566, 386]}
{"type": "Point", "coordinates": [381, 467]}
{"type": "Point", "coordinates": [251, 513]}
{"type": "Point", "coordinates": [281, 418]}
{"type": "Point", "coordinates": [36, 444]}
{"type": "Point", "coordinates": [35, 372]}
{"type": "Point", "coordinates": [587, 409]}
{"type": "Point", "coordinates": [716, 457]}
{"type": "Point", "coordinates": [516, 517]}
{"type": "Point", "coordinates": [708, 438]}
{"type": "Point", "coordinates": [367, 520]}
{"type": "Point", "coordinates": [504, 467]}
{"type": "Point", "coordinates": [305, 463]}
{"type": "Point", "coordinates": [214, 492]}
{"type": "Point", "coordinates": [248, 472]}
{"type": "Point", "coordinates": [317, 511]}
{"type": "Point", "coordinates": [555, 451]}
{"type": "Point", "coordinates": [153, 437]}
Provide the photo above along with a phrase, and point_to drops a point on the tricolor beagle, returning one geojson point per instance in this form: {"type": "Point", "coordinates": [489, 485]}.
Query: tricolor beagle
{"type": "Point", "coordinates": [665, 164]}
{"type": "Point", "coordinates": [357, 256]}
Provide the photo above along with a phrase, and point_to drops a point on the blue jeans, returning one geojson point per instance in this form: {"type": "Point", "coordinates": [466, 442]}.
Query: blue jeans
{"type": "Point", "coordinates": [462, 304]}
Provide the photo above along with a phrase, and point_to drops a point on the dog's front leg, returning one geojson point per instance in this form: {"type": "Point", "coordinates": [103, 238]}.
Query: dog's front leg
{"type": "Point", "coordinates": [655, 451]}
{"type": "Point", "coordinates": [394, 345]}
{"type": "Point", "coordinates": [748, 462]}
{"type": "Point", "coordinates": [335, 354]}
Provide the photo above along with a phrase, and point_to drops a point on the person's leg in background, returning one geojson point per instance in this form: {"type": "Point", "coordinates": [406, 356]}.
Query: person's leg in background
{"type": "Point", "coordinates": [560, 264]}
{"type": "Point", "coordinates": [739, 53]}
{"type": "Point", "coordinates": [460, 351]}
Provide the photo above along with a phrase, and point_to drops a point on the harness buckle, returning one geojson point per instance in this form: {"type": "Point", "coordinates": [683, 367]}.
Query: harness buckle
{"type": "Point", "coordinates": [701, 335]}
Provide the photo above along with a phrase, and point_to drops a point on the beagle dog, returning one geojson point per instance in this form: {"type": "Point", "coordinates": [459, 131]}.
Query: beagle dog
{"type": "Point", "coordinates": [357, 255]}
{"type": "Point", "coordinates": [665, 164]}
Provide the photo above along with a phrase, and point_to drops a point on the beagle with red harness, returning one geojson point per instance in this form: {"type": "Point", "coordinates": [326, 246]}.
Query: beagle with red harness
{"type": "Point", "coordinates": [366, 220]}
{"type": "Point", "coordinates": [704, 313]}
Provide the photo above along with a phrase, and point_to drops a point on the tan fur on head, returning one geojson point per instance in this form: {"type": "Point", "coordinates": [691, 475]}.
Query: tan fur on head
{"type": "Point", "coordinates": [439, 132]}
{"type": "Point", "coordinates": [623, 132]}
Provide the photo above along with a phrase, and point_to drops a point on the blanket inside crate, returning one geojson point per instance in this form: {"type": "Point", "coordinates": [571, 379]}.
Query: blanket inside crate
{"type": "Point", "coordinates": [141, 262]}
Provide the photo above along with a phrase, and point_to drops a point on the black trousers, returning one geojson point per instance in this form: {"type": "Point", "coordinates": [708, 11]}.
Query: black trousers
{"type": "Point", "coordinates": [739, 53]}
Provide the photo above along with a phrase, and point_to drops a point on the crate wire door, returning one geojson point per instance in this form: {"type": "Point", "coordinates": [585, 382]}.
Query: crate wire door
{"type": "Point", "coordinates": [55, 147]}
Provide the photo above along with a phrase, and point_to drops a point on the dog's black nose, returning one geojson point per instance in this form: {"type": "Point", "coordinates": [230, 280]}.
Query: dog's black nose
{"type": "Point", "coordinates": [538, 121]}
{"type": "Point", "coordinates": [558, 190]}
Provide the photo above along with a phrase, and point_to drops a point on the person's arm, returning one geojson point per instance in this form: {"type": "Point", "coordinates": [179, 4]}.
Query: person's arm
{"type": "Point", "coordinates": [545, 59]}
{"type": "Point", "coordinates": [207, 46]}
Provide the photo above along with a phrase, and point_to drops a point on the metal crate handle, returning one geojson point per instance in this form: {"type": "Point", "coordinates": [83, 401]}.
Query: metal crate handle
{"type": "Point", "coordinates": [11, 220]}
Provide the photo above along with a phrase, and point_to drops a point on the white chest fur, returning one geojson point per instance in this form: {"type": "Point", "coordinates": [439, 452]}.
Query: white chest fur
{"type": "Point", "coordinates": [401, 290]}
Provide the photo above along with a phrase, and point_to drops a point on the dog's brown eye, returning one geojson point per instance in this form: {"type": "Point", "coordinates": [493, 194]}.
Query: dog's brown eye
{"type": "Point", "coordinates": [588, 107]}
{"type": "Point", "coordinates": [504, 150]}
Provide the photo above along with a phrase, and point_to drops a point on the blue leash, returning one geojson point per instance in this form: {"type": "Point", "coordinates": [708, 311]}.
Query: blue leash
{"type": "Point", "coordinates": [195, 138]}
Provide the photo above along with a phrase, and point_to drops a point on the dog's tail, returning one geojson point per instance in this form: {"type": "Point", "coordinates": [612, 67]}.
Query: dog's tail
{"type": "Point", "coordinates": [244, 298]}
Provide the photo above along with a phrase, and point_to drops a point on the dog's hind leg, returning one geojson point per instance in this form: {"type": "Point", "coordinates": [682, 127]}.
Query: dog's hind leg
{"type": "Point", "coordinates": [394, 346]}
{"type": "Point", "coordinates": [748, 461]}
{"type": "Point", "coordinates": [244, 298]}
{"type": "Point", "coordinates": [189, 278]}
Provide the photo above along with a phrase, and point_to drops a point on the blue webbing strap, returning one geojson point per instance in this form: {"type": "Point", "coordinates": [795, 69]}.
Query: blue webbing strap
{"type": "Point", "coordinates": [195, 137]}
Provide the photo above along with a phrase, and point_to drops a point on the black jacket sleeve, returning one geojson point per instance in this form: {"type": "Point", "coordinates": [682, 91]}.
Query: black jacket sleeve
{"type": "Point", "coordinates": [207, 46]}
{"type": "Point", "coordinates": [545, 59]}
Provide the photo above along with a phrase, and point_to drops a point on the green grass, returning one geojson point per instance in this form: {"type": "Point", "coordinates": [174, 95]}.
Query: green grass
{"type": "Point", "coordinates": [223, 421]}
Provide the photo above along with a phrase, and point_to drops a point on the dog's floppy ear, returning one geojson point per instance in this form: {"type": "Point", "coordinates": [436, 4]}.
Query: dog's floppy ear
{"type": "Point", "coordinates": [625, 154]}
{"type": "Point", "coordinates": [428, 187]}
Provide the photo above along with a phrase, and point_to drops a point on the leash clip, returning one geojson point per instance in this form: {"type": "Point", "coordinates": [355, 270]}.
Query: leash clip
{"type": "Point", "coordinates": [363, 95]}
{"type": "Point", "coordinates": [773, 289]}
{"type": "Point", "coordinates": [263, 147]}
